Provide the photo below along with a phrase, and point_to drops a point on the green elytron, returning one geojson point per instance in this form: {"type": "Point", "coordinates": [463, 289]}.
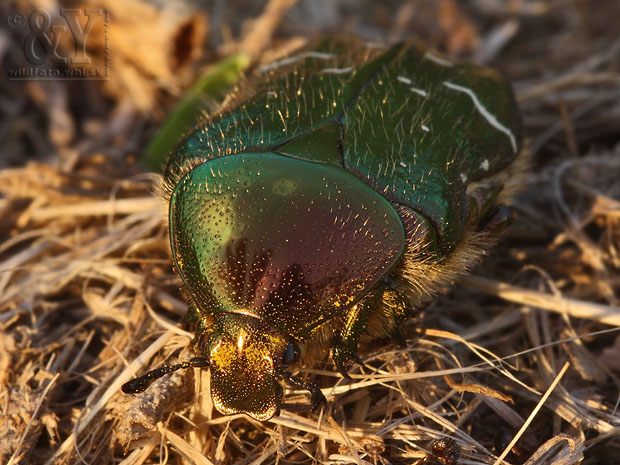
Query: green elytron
{"type": "Point", "coordinates": [329, 197]}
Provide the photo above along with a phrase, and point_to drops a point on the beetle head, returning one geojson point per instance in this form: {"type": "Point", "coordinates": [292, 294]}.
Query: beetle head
{"type": "Point", "coordinates": [246, 355]}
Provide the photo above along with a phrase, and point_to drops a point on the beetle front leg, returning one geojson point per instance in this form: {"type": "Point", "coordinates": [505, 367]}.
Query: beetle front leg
{"type": "Point", "coordinates": [355, 322]}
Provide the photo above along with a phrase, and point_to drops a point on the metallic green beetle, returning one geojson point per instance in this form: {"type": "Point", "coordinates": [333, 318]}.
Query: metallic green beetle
{"type": "Point", "coordinates": [331, 195]}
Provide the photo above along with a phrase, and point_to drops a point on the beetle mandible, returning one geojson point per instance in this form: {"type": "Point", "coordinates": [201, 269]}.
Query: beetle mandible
{"type": "Point", "coordinates": [332, 194]}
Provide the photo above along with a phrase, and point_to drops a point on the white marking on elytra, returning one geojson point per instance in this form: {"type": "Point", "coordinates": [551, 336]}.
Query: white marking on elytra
{"type": "Point", "coordinates": [337, 70]}
{"type": "Point", "coordinates": [421, 92]}
{"type": "Point", "coordinates": [437, 60]}
{"type": "Point", "coordinates": [407, 81]}
{"type": "Point", "coordinates": [294, 59]}
{"type": "Point", "coordinates": [425, 128]}
{"type": "Point", "coordinates": [485, 165]}
{"type": "Point", "coordinates": [463, 177]}
{"type": "Point", "coordinates": [403, 164]}
{"type": "Point", "coordinates": [491, 119]}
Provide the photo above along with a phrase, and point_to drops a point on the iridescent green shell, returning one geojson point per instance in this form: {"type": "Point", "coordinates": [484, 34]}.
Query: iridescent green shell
{"type": "Point", "coordinates": [417, 128]}
{"type": "Point", "coordinates": [297, 210]}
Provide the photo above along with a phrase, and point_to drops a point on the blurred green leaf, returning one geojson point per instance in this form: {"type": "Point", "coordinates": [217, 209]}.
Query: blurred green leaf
{"type": "Point", "coordinates": [211, 86]}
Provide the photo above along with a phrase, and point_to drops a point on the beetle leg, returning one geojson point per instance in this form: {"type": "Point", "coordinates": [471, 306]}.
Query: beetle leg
{"type": "Point", "coordinates": [484, 213]}
{"type": "Point", "coordinates": [395, 304]}
{"type": "Point", "coordinates": [480, 202]}
{"type": "Point", "coordinates": [318, 399]}
{"type": "Point", "coordinates": [355, 322]}
{"type": "Point", "coordinates": [500, 220]}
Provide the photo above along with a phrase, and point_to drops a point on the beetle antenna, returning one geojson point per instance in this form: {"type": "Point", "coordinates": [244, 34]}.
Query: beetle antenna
{"type": "Point", "coordinates": [140, 383]}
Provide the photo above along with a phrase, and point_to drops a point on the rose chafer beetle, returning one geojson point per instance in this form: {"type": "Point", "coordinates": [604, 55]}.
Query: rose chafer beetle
{"type": "Point", "coordinates": [331, 195]}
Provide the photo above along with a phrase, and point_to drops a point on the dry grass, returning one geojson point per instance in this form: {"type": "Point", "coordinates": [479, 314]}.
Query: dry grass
{"type": "Point", "coordinates": [519, 362]}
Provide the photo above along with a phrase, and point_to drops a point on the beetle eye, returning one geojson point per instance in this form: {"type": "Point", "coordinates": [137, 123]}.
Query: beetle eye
{"type": "Point", "coordinates": [290, 354]}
